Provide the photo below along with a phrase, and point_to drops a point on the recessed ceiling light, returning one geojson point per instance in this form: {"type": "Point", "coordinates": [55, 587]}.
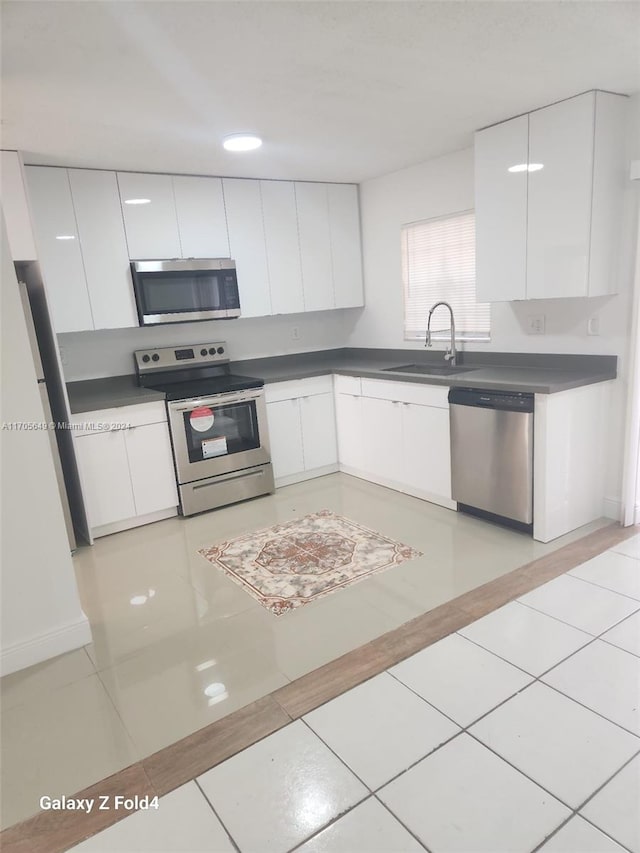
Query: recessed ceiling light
{"type": "Point", "coordinates": [535, 167]}
{"type": "Point", "coordinates": [137, 201]}
{"type": "Point", "coordinates": [242, 142]}
{"type": "Point", "coordinates": [521, 167]}
{"type": "Point", "coordinates": [65, 237]}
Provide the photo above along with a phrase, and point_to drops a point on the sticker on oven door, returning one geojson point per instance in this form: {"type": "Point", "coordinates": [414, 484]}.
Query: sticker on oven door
{"type": "Point", "coordinates": [214, 447]}
{"type": "Point", "coordinates": [201, 419]}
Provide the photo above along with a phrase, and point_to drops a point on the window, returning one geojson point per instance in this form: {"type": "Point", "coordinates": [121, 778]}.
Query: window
{"type": "Point", "coordinates": [439, 263]}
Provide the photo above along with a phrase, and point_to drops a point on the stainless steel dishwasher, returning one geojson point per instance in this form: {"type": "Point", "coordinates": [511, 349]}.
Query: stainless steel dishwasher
{"type": "Point", "coordinates": [492, 454]}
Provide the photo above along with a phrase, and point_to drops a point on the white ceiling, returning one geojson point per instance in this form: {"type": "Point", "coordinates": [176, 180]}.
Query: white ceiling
{"type": "Point", "coordinates": [339, 91]}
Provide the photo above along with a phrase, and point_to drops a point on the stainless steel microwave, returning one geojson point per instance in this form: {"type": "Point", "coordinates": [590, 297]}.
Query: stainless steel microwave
{"type": "Point", "coordinates": [181, 291]}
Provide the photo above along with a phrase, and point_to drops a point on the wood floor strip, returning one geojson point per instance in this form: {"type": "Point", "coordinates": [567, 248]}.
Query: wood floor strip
{"type": "Point", "coordinates": [54, 832]}
{"type": "Point", "coordinates": [199, 752]}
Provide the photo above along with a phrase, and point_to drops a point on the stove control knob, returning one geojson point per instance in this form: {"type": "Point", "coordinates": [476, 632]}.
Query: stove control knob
{"type": "Point", "coordinates": [212, 351]}
{"type": "Point", "coordinates": [203, 352]}
{"type": "Point", "coordinates": [146, 358]}
{"type": "Point", "coordinates": [220, 350]}
{"type": "Point", "coordinates": [155, 357]}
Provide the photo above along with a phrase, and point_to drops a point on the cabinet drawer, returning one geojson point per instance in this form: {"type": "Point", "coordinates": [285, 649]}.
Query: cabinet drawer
{"type": "Point", "coordinates": [407, 392]}
{"type": "Point", "coordinates": [296, 388]}
{"type": "Point", "coordinates": [104, 420]}
{"type": "Point", "coordinates": [348, 385]}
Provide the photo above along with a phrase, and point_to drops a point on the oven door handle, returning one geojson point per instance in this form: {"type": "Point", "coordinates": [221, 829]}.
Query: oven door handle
{"type": "Point", "coordinates": [213, 402]}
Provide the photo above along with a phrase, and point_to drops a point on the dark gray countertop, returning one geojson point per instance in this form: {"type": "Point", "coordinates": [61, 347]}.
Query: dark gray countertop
{"type": "Point", "coordinates": [537, 373]}
{"type": "Point", "coordinates": [90, 395]}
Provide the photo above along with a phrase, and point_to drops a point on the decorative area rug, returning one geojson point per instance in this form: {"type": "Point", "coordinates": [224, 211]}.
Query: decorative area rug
{"type": "Point", "coordinates": [291, 564]}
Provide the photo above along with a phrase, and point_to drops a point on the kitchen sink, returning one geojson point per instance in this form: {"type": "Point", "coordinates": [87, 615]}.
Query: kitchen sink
{"type": "Point", "coordinates": [429, 369]}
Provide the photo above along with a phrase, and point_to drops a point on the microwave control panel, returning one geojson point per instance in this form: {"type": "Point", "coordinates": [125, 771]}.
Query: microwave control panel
{"type": "Point", "coordinates": [166, 358]}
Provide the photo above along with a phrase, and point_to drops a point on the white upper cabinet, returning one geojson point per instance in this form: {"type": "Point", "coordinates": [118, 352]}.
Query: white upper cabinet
{"type": "Point", "coordinates": [501, 210]}
{"type": "Point", "coordinates": [16, 209]}
{"type": "Point", "coordinates": [560, 217]}
{"type": "Point", "coordinates": [297, 246]}
{"type": "Point", "coordinates": [561, 141]}
{"type": "Point", "coordinates": [283, 249]}
{"type": "Point", "coordinates": [104, 248]}
{"type": "Point", "coordinates": [315, 246]}
{"type": "Point", "coordinates": [151, 224]}
{"type": "Point", "coordinates": [58, 247]}
{"type": "Point", "coordinates": [610, 179]}
{"type": "Point", "coordinates": [346, 253]}
{"type": "Point", "coordinates": [202, 221]}
{"type": "Point", "coordinates": [247, 244]}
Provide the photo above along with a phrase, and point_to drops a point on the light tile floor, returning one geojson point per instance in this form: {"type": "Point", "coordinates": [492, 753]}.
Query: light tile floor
{"type": "Point", "coordinates": [177, 645]}
{"type": "Point", "coordinates": [514, 737]}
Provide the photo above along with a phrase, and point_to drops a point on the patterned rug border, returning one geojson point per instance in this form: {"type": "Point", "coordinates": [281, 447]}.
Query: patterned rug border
{"type": "Point", "coordinates": [278, 605]}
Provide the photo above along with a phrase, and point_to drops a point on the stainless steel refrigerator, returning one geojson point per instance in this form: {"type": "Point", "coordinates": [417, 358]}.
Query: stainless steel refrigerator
{"type": "Point", "coordinates": [46, 403]}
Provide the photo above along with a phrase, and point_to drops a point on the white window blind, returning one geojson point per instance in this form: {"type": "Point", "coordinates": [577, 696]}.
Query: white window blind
{"type": "Point", "coordinates": [439, 262]}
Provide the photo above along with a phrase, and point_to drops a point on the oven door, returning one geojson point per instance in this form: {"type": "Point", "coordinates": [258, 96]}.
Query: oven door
{"type": "Point", "coordinates": [215, 435]}
{"type": "Point", "coordinates": [169, 292]}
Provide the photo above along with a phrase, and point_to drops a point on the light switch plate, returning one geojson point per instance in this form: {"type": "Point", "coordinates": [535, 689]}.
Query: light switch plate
{"type": "Point", "coordinates": [593, 325]}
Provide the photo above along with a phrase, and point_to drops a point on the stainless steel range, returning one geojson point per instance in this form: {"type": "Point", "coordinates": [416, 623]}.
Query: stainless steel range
{"type": "Point", "coordinates": [217, 421]}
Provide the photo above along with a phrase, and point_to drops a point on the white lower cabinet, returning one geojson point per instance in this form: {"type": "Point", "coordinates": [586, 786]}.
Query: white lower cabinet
{"type": "Point", "coordinates": [302, 429]}
{"type": "Point", "coordinates": [126, 471]}
{"type": "Point", "coordinates": [382, 438]}
{"type": "Point", "coordinates": [396, 434]}
{"type": "Point", "coordinates": [285, 437]}
{"type": "Point", "coordinates": [427, 454]}
{"type": "Point", "coordinates": [151, 468]}
{"type": "Point", "coordinates": [104, 468]}
{"type": "Point", "coordinates": [349, 421]}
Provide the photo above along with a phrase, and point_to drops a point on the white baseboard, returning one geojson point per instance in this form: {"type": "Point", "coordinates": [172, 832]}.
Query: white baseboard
{"type": "Point", "coordinates": [45, 646]}
{"type": "Point", "coordinates": [440, 500]}
{"type": "Point", "coordinates": [136, 521]}
{"type": "Point", "coordinates": [613, 508]}
{"type": "Point", "coordinates": [301, 476]}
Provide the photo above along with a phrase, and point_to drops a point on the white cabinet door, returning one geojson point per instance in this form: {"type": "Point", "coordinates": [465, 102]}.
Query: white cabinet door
{"type": "Point", "coordinates": [501, 210]}
{"type": "Point", "coordinates": [318, 431]}
{"type": "Point", "coordinates": [151, 468]}
{"type": "Point", "coordinates": [558, 231]}
{"type": "Point", "coordinates": [426, 449]}
{"type": "Point", "coordinates": [382, 438]}
{"type": "Point", "coordinates": [104, 248]}
{"type": "Point", "coordinates": [247, 245]}
{"type": "Point", "coordinates": [285, 437]}
{"type": "Point", "coordinates": [315, 246]}
{"type": "Point", "coordinates": [283, 248]}
{"type": "Point", "coordinates": [349, 430]}
{"type": "Point", "coordinates": [152, 228]}
{"type": "Point", "coordinates": [346, 247]}
{"type": "Point", "coordinates": [16, 208]}
{"type": "Point", "coordinates": [202, 221]}
{"type": "Point", "coordinates": [59, 248]}
{"type": "Point", "coordinates": [104, 471]}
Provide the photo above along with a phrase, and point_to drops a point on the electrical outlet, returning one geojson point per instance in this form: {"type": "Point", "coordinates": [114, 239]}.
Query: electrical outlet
{"type": "Point", "coordinates": [593, 325]}
{"type": "Point", "coordinates": [535, 324]}
{"type": "Point", "coordinates": [63, 356]}
{"type": "Point", "coordinates": [295, 333]}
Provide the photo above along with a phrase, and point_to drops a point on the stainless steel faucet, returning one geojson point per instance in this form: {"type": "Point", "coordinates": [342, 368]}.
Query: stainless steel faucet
{"type": "Point", "coordinates": [450, 355]}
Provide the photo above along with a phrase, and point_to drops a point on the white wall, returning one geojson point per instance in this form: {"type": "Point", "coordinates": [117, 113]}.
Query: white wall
{"type": "Point", "coordinates": [87, 355]}
{"type": "Point", "coordinates": [445, 185]}
{"type": "Point", "coordinates": [41, 613]}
